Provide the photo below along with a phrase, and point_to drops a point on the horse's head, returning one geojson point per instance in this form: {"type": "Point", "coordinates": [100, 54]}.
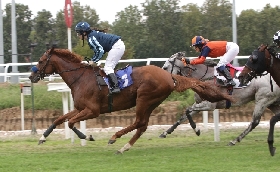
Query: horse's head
{"type": "Point", "coordinates": [43, 68]}
{"type": "Point", "coordinates": [174, 64]}
{"type": "Point", "coordinates": [260, 61]}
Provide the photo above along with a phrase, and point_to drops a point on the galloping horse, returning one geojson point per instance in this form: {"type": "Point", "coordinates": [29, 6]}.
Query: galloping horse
{"type": "Point", "coordinates": [258, 90]}
{"type": "Point", "coordinates": [151, 86]}
{"type": "Point", "coordinates": [264, 59]}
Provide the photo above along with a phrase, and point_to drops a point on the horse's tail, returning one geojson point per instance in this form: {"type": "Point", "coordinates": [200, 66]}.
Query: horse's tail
{"type": "Point", "coordinates": [205, 90]}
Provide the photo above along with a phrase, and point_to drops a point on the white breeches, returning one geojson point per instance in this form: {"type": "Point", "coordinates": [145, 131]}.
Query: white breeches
{"type": "Point", "coordinates": [232, 50]}
{"type": "Point", "coordinates": [114, 55]}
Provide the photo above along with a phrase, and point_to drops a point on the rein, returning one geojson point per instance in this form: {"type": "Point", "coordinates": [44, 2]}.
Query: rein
{"type": "Point", "coordinates": [254, 74]}
{"type": "Point", "coordinates": [42, 72]}
{"type": "Point", "coordinates": [190, 70]}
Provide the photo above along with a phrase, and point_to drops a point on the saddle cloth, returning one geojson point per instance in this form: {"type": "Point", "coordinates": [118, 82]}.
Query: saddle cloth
{"type": "Point", "coordinates": [124, 77]}
{"type": "Point", "coordinates": [234, 71]}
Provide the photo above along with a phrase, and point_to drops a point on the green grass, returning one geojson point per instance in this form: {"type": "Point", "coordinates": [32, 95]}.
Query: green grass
{"type": "Point", "coordinates": [43, 99]}
{"type": "Point", "coordinates": [179, 152]}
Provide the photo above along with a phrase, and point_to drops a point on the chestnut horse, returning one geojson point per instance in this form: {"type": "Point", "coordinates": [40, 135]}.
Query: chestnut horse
{"type": "Point", "coordinates": [151, 86]}
{"type": "Point", "coordinates": [264, 59]}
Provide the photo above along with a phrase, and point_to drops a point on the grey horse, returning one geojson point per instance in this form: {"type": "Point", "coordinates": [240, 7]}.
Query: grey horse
{"type": "Point", "coordinates": [258, 90]}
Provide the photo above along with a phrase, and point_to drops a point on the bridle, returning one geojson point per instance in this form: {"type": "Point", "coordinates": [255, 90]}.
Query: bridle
{"type": "Point", "coordinates": [42, 73]}
{"type": "Point", "coordinates": [190, 69]}
{"type": "Point", "coordinates": [254, 59]}
{"type": "Point", "coordinates": [253, 74]}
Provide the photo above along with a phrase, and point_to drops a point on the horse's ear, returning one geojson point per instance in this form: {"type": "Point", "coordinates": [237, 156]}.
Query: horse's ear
{"type": "Point", "coordinates": [272, 51]}
{"type": "Point", "coordinates": [51, 50]}
{"type": "Point", "coordinates": [262, 47]}
{"type": "Point", "coordinates": [181, 54]}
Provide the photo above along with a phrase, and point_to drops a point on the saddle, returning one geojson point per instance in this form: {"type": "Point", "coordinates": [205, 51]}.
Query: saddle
{"type": "Point", "coordinates": [123, 75]}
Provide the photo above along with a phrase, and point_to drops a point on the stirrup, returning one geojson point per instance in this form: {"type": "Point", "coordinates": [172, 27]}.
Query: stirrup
{"type": "Point", "coordinates": [115, 90]}
{"type": "Point", "coordinates": [232, 83]}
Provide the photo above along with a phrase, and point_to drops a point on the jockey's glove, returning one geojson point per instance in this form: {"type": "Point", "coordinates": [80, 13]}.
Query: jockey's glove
{"type": "Point", "coordinates": [87, 59]}
{"type": "Point", "coordinates": [185, 61]}
{"type": "Point", "coordinates": [93, 64]}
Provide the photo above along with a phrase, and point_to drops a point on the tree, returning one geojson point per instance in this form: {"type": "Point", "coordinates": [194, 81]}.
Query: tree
{"type": "Point", "coordinates": [163, 24]}
{"type": "Point", "coordinates": [45, 33]}
{"type": "Point", "coordinates": [23, 28]}
{"type": "Point", "coordinates": [129, 26]}
{"type": "Point", "coordinates": [192, 24]}
{"type": "Point", "coordinates": [217, 20]}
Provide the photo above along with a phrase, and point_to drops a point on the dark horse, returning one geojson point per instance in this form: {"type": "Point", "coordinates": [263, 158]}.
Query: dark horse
{"type": "Point", "coordinates": [264, 59]}
{"type": "Point", "coordinates": [152, 85]}
{"type": "Point", "coordinates": [258, 90]}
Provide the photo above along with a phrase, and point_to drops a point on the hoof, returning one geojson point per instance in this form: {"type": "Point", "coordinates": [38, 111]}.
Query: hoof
{"type": "Point", "coordinates": [271, 148]}
{"type": "Point", "coordinates": [162, 136]}
{"type": "Point", "coordinates": [111, 141]}
{"type": "Point", "coordinates": [197, 132]}
{"type": "Point", "coordinates": [231, 143]}
{"type": "Point", "coordinates": [118, 153]}
{"type": "Point", "coordinates": [91, 138]}
{"type": "Point", "coordinates": [41, 142]}
{"type": "Point", "coordinates": [272, 151]}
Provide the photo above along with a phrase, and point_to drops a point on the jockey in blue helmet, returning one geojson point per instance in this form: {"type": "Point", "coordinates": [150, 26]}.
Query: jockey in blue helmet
{"type": "Point", "coordinates": [101, 42]}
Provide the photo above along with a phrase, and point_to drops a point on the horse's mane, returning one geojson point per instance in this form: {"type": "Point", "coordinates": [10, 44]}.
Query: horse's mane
{"type": "Point", "coordinates": [210, 63]}
{"type": "Point", "coordinates": [68, 55]}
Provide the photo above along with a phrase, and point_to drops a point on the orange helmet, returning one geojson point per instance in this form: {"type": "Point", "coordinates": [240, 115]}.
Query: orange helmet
{"type": "Point", "coordinates": [198, 40]}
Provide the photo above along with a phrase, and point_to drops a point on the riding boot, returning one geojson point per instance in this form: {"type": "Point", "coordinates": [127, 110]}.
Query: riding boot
{"type": "Point", "coordinates": [113, 81]}
{"type": "Point", "coordinates": [226, 74]}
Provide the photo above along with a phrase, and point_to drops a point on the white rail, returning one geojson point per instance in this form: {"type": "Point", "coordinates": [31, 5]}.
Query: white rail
{"type": "Point", "coordinates": [24, 75]}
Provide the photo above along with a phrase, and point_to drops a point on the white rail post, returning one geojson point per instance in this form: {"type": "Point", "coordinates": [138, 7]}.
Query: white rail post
{"type": "Point", "coordinates": [205, 120]}
{"type": "Point", "coordinates": [22, 107]}
{"type": "Point", "coordinates": [65, 111]}
{"type": "Point", "coordinates": [216, 124]}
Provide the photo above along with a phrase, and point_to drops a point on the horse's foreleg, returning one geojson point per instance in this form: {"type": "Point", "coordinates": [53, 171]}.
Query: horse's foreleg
{"type": "Point", "coordinates": [188, 115]}
{"type": "Point", "coordinates": [57, 122]}
{"type": "Point", "coordinates": [270, 138]}
{"type": "Point", "coordinates": [83, 115]}
{"type": "Point", "coordinates": [192, 123]}
{"type": "Point", "coordinates": [251, 126]}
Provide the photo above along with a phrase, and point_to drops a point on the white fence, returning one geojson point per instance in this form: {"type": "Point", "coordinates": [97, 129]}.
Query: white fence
{"type": "Point", "coordinates": [24, 76]}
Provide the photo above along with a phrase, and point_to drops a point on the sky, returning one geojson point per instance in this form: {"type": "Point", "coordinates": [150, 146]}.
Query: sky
{"type": "Point", "coordinates": [107, 9]}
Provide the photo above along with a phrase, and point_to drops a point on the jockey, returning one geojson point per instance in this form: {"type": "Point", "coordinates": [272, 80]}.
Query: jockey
{"type": "Point", "coordinates": [100, 43]}
{"type": "Point", "coordinates": [276, 38]}
{"type": "Point", "coordinates": [226, 50]}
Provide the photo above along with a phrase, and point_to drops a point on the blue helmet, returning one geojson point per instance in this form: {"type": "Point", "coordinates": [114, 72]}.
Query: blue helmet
{"type": "Point", "coordinates": [82, 27]}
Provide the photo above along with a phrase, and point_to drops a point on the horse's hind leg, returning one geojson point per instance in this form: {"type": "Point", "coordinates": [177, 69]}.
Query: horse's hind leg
{"type": "Point", "coordinates": [135, 137]}
{"type": "Point", "coordinates": [57, 122]}
{"type": "Point", "coordinates": [260, 106]}
{"type": "Point", "coordinates": [141, 123]}
{"type": "Point", "coordinates": [251, 126]}
{"type": "Point", "coordinates": [270, 138]}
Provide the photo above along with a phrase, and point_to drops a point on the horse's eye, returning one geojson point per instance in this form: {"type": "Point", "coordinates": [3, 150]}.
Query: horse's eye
{"type": "Point", "coordinates": [40, 62]}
